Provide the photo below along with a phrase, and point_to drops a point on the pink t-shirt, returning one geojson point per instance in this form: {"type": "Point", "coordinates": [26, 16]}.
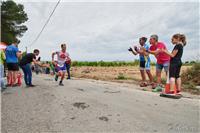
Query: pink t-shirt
{"type": "Point", "coordinates": [161, 57]}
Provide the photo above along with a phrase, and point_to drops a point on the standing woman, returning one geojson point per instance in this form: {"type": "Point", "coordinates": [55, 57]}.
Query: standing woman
{"type": "Point", "coordinates": [179, 40]}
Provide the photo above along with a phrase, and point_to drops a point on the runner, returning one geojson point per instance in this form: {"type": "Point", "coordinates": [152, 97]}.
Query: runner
{"type": "Point", "coordinates": [25, 64]}
{"type": "Point", "coordinates": [144, 60]}
{"type": "Point", "coordinates": [60, 64]}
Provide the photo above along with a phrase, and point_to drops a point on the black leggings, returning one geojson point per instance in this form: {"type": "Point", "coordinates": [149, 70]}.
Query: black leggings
{"type": "Point", "coordinates": [174, 70]}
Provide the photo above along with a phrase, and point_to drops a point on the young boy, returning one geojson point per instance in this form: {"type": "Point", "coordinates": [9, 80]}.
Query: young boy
{"type": "Point", "coordinates": [144, 61]}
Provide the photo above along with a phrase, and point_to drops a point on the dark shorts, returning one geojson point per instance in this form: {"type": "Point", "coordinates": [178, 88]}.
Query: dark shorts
{"type": "Point", "coordinates": [13, 66]}
{"type": "Point", "coordinates": [142, 64]}
{"type": "Point", "coordinates": [174, 70]}
{"type": "Point", "coordinates": [63, 68]}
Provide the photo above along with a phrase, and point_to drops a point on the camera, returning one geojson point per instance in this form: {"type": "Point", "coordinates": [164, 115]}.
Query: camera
{"type": "Point", "coordinates": [136, 48]}
{"type": "Point", "coordinates": [130, 49]}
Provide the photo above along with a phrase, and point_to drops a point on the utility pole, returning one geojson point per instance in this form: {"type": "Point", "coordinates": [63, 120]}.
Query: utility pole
{"type": "Point", "coordinates": [26, 50]}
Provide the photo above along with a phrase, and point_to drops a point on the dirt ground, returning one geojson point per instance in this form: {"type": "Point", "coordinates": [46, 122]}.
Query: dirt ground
{"type": "Point", "coordinates": [130, 73]}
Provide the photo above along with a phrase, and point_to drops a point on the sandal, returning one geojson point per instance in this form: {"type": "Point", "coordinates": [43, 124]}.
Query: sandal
{"type": "Point", "coordinates": [8, 85]}
{"type": "Point", "coordinates": [154, 85]}
{"type": "Point", "coordinates": [15, 85]}
{"type": "Point", "coordinates": [143, 84]}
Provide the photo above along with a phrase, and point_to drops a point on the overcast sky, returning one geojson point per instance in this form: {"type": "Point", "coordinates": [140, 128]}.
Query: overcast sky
{"type": "Point", "coordinates": [105, 30]}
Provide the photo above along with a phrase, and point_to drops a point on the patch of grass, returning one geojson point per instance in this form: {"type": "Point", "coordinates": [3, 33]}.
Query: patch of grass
{"type": "Point", "coordinates": [121, 76]}
{"type": "Point", "coordinates": [190, 78]}
{"type": "Point", "coordinates": [163, 80]}
{"type": "Point", "coordinates": [192, 75]}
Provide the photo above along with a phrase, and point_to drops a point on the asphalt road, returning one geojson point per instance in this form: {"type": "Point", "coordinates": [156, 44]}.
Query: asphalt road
{"type": "Point", "coordinates": [94, 106]}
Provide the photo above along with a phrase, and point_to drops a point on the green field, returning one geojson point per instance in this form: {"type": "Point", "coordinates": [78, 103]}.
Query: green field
{"type": "Point", "coordinates": [106, 63]}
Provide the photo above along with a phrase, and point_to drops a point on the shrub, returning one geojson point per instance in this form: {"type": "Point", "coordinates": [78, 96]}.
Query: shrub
{"type": "Point", "coordinates": [121, 76]}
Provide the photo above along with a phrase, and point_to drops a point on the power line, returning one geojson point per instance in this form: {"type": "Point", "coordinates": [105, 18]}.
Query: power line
{"type": "Point", "coordinates": [45, 24]}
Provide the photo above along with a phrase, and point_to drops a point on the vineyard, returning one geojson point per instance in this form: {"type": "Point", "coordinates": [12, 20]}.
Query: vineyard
{"type": "Point", "coordinates": [106, 63]}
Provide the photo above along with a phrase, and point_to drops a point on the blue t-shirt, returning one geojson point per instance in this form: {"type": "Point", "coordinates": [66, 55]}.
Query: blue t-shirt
{"type": "Point", "coordinates": [11, 54]}
{"type": "Point", "coordinates": [145, 58]}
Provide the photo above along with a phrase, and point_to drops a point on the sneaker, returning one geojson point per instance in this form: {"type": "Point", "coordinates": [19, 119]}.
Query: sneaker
{"type": "Point", "coordinates": [31, 85]}
{"type": "Point", "coordinates": [3, 89]}
{"type": "Point", "coordinates": [8, 85]}
{"type": "Point", "coordinates": [56, 78]}
{"type": "Point", "coordinates": [15, 85]}
{"type": "Point", "coordinates": [157, 89]}
{"type": "Point", "coordinates": [154, 85]}
{"type": "Point", "coordinates": [61, 84]}
{"type": "Point", "coordinates": [143, 84]}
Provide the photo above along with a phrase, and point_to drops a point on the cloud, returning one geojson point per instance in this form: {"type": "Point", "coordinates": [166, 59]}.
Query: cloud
{"type": "Point", "coordinates": [104, 31]}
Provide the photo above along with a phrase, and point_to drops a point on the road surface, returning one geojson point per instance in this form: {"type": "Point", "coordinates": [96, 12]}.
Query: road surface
{"type": "Point", "coordinates": [94, 106]}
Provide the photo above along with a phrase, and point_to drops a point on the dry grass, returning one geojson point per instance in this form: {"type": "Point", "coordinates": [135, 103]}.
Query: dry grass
{"type": "Point", "coordinates": [117, 74]}
{"type": "Point", "coordinates": [131, 74]}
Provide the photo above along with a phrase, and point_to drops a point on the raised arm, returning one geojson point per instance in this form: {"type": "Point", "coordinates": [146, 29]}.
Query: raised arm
{"type": "Point", "coordinates": [39, 63]}
{"type": "Point", "coordinates": [172, 54]}
{"type": "Point", "coordinates": [133, 52]}
{"type": "Point", "coordinates": [53, 54]}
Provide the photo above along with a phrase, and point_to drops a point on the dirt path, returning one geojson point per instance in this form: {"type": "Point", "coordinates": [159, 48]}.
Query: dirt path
{"type": "Point", "coordinates": [94, 106]}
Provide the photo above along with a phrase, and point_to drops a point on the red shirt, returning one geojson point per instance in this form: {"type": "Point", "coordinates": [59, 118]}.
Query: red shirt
{"type": "Point", "coordinates": [161, 57]}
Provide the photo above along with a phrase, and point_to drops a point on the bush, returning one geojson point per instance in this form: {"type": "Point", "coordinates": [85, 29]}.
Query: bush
{"type": "Point", "coordinates": [190, 78]}
{"type": "Point", "coordinates": [192, 75]}
{"type": "Point", "coordinates": [121, 76]}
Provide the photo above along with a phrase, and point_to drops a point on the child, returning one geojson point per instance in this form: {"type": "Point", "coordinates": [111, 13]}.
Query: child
{"type": "Point", "coordinates": [144, 61]}
{"type": "Point", "coordinates": [179, 40]}
{"type": "Point", "coordinates": [2, 59]}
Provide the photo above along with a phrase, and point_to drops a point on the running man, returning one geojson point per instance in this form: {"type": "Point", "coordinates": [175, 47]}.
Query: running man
{"type": "Point", "coordinates": [60, 64]}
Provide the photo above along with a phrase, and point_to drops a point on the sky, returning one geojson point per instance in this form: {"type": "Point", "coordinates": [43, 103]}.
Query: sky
{"type": "Point", "coordinates": [100, 30]}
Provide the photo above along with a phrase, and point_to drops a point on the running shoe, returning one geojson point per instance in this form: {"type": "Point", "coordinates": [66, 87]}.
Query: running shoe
{"type": "Point", "coordinates": [56, 78]}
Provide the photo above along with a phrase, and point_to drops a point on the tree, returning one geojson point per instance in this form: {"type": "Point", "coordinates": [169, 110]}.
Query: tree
{"type": "Point", "coordinates": [12, 18]}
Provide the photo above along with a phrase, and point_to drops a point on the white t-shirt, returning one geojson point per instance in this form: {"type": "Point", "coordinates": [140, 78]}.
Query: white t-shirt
{"type": "Point", "coordinates": [62, 57]}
